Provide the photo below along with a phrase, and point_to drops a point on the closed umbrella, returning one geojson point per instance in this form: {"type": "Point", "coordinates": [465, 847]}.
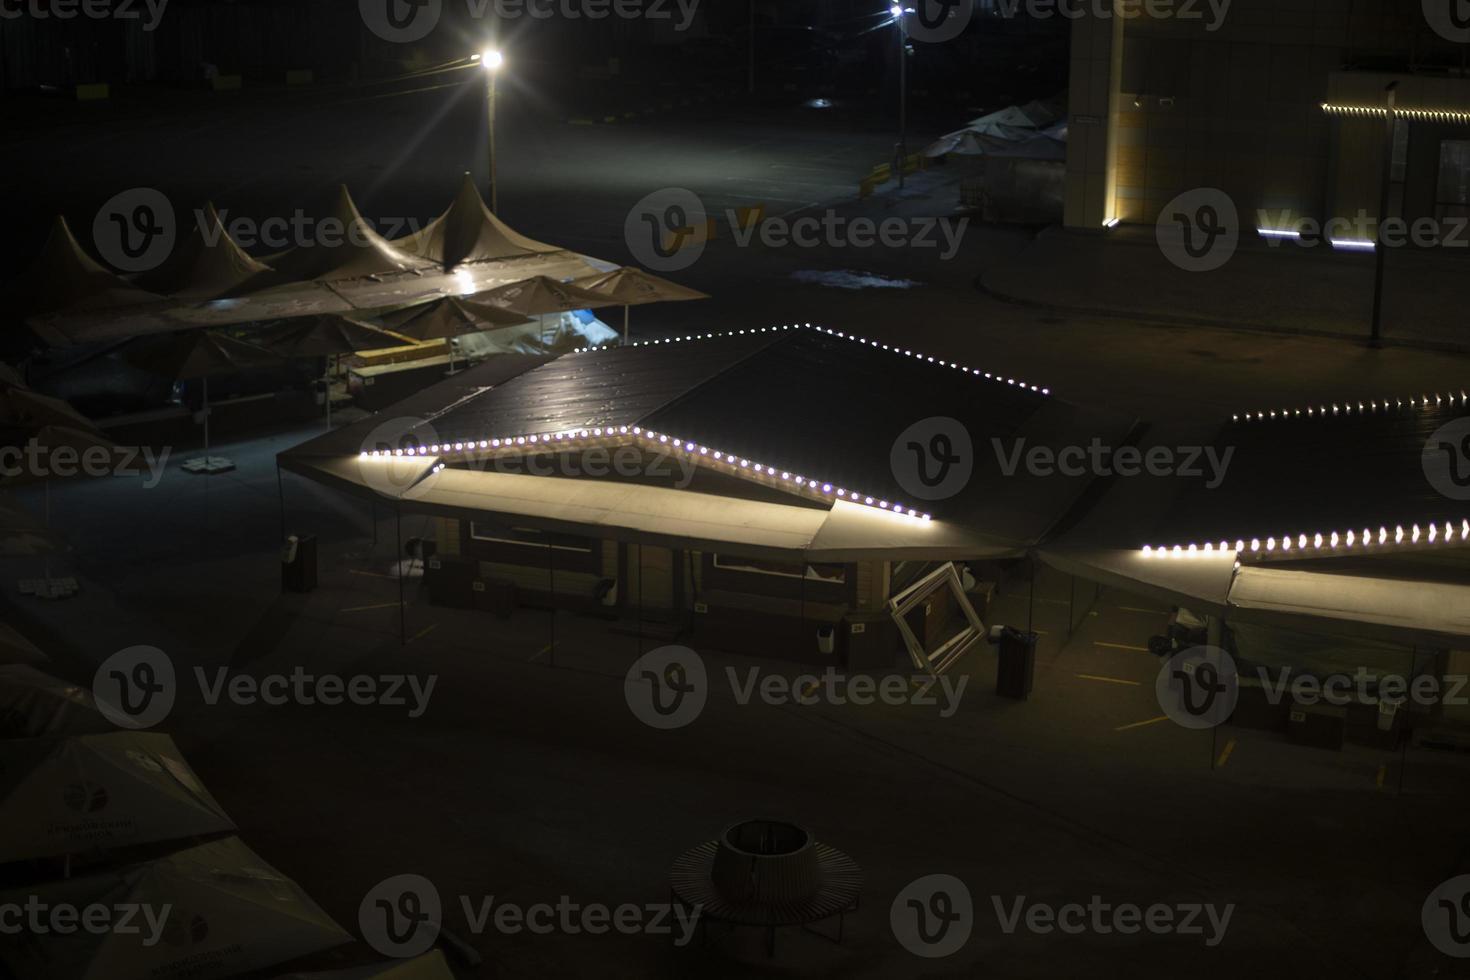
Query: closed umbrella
{"type": "Point", "coordinates": [212, 911]}
{"type": "Point", "coordinates": [328, 335]}
{"type": "Point", "coordinates": [631, 287]}
{"type": "Point", "coordinates": [199, 355]}
{"type": "Point", "coordinates": [87, 793]}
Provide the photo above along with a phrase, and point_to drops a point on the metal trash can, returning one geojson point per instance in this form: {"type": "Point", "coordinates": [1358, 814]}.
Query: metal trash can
{"type": "Point", "coordinates": [298, 564]}
{"type": "Point", "coordinates": [1015, 675]}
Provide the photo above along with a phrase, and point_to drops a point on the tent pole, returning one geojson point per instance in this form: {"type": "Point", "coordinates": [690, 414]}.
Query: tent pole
{"type": "Point", "coordinates": [331, 360]}
{"type": "Point", "coordinates": [206, 418]}
{"type": "Point", "coordinates": [551, 560]}
{"type": "Point", "coordinates": [281, 493]}
{"type": "Point", "coordinates": [625, 324]}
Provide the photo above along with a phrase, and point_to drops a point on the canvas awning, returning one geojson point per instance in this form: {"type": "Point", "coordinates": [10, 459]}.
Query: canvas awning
{"type": "Point", "coordinates": [86, 793]}
{"type": "Point", "coordinates": [649, 514]}
{"type": "Point", "coordinates": [1408, 609]}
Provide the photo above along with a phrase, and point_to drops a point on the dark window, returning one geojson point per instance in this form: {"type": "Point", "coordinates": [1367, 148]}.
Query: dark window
{"type": "Point", "coordinates": [1452, 197]}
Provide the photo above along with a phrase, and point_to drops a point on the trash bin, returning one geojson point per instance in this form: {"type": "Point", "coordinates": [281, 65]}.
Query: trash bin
{"type": "Point", "coordinates": [1016, 673]}
{"type": "Point", "coordinates": [298, 564]}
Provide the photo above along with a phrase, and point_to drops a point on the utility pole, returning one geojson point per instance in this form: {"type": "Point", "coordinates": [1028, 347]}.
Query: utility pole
{"type": "Point", "coordinates": [902, 152]}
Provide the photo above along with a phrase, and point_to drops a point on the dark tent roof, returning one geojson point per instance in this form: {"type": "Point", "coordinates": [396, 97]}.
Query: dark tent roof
{"type": "Point", "coordinates": [356, 252]}
{"type": "Point", "coordinates": [469, 232]}
{"type": "Point", "coordinates": [65, 278]}
{"type": "Point", "coordinates": [1356, 470]}
{"type": "Point", "coordinates": [785, 397]}
{"type": "Point", "coordinates": [209, 264]}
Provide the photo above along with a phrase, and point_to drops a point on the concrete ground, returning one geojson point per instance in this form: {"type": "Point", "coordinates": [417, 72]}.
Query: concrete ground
{"type": "Point", "coordinates": [529, 778]}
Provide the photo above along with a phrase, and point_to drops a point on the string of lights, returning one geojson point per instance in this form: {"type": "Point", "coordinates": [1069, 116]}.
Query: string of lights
{"type": "Point", "coordinates": [1441, 115]}
{"type": "Point", "coordinates": [659, 442]}
{"type": "Point", "coordinates": [1000, 378]}
{"type": "Point", "coordinates": [1369, 407]}
{"type": "Point", "coordinates": [1413, 536]}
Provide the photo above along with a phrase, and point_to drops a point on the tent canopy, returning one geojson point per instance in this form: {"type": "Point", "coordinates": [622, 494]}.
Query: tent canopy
{"type": "Point", "coordinates": [79, 794]}
{"type": "Point", "coordinates": [629, 286]}
{"type": "Point", "coordinates": [324, 336]}
{"type": "Point", "coordinates": [209, 264]}
{"type": "Point", "coordinates": [230, 913]}
{"type": "Point", "coordinates": [469, 232]}
{"type": "Point", "coordinates": [537, 296]}
{"type": "Point", "coordinates": [354, 251]}
{"type": "Point", "coordinates": [451, 317]}
{"type": "Point", "coordinates": [64, 278]}
{"type": "Point", "coordinates": [34, 704]}
{"type": "Point", "coordinates": [198, 354]}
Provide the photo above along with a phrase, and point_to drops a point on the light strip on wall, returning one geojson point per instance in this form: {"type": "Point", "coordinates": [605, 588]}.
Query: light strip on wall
{"type": "Point", "coordinates": [1441, 115]}
{"type": "Point", "coordinates": [704, 455]}
{"type": "Point", "coordinates": [1413, 536]}
{"type": "Point", "coordinates": [989, 376]}
{"type": "Point", "coordinates": [1372, 406]}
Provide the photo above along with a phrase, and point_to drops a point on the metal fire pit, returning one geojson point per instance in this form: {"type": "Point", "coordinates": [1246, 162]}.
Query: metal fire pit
{"type": "Point", "coordinates": [767, 874]}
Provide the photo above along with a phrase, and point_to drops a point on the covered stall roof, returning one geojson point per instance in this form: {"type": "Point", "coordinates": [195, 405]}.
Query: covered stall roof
{"type": "Point", "coordinates": [69, 299]}
{"type": "Point", "coordinates": [1336, 514]}
{"type": "Point", "coordinates": [768, 407]}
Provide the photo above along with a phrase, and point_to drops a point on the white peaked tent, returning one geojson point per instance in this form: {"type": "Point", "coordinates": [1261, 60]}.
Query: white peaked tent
{"type": "Point", "coordinates": [64, 278]}
{"type": "Point", "coordinates": [355, 250]}
{"type": "Point", "coordinates": [228, 912]}
{"type": "Point", "coordinates": [469, 232]}
{"type": "Point", "coordinates": [77, 795]}
{"type": "Point", "coordinates": [207, 265]}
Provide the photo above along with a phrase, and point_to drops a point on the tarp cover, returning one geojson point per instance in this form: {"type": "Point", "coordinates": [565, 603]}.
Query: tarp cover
{"type": "Point", "coordinates": [228, 913]}
{"type": "Point", "coordinates": [79, 794]}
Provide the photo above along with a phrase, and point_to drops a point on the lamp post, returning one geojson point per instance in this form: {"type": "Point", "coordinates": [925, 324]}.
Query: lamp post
{"type": "Point", "coordinates": [901, 152]}
{"type": "Point", "coordinates": [1385, 200]}
{"type": "Point", "coordinates": [491, 61]}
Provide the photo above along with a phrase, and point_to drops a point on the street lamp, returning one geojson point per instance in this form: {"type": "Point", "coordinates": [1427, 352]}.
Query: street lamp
{"type": "Point", "coordinates": [902, 151]}
{"type": "Point", "coordinates": [492, 60]}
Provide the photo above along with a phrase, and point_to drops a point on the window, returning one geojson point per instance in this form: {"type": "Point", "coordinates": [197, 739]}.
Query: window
{"type": "Point", "coordinates": [530, 547]}
{"type": "Point", "coordinates": [835, 574]}
{"type": "Point", "coordinates": [1452, 194]}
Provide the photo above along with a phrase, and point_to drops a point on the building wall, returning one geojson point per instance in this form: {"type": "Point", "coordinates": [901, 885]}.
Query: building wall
{"type": "Point", "coordinates": [1238, 108]}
